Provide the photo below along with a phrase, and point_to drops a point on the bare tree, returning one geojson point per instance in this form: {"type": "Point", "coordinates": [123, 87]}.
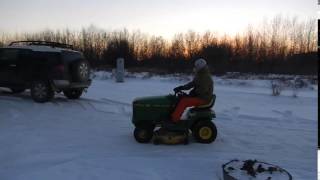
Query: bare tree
{"type": "Point", "coordinates": [277, 45]}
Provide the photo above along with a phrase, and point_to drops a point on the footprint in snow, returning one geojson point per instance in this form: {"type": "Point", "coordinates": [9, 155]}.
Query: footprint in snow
{"type": "Point", "coordinates": [285, 115]}
{"type": "Point", "coordinates": [235, 113]}
{"type": "Point", "coordinates": [230, 114]}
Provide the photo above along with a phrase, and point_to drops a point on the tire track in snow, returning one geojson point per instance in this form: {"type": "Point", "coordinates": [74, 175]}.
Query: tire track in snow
{"type": "Point", "coordinates": [285, 116]}
{"type": "Point", "coordinates": [116, 102]}
{"type": "Point", "coordinates": [99, 110]}
{"type": "Point", "coordinates": [13, 111]}
{"type": "Point", "coordinates": [80, 104]}
{"type": "Point", "coordinates": [84, 105]}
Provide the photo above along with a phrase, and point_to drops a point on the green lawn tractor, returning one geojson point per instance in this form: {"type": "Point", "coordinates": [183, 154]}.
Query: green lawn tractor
{"type": "Point", "coordinates": [151, 118]}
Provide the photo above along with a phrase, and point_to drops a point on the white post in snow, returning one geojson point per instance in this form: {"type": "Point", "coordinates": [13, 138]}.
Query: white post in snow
{"type": "Point", "coordinates": [120, 70]}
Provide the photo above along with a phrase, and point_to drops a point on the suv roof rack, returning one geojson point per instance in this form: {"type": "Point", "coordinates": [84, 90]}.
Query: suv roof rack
{"type": "Point", "coordinates": [41, 43]}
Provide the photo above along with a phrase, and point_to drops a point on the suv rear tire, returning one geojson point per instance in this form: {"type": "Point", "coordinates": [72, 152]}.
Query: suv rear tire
{"type": "Point", "coordinates": [81, 71]}
{"type": "Point", "coordinates": [73, 93]}
{"type": "Point", "coordinates": [41, 91]}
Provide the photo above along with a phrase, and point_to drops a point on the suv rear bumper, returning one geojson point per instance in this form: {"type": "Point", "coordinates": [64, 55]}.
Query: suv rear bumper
{"type": "Point", "coordinates": [65, 84]}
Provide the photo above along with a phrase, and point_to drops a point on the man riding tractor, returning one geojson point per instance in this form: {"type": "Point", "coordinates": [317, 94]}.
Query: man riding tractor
{"type": "Point", "coordinates": [164, 112]}
{"type": "Point", "coordinates": [201, 94]}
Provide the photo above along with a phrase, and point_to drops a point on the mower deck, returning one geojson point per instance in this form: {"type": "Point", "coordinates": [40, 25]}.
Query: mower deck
{"type": "Point", "coordinates": [164, 136]}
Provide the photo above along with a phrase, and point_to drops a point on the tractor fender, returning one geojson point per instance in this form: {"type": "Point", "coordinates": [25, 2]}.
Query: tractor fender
{"type": "Point", "coordinates": [195, 121]}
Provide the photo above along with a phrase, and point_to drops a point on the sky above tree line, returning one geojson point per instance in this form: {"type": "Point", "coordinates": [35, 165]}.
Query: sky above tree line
{"type": "Point", "coordinates": [155, 17]}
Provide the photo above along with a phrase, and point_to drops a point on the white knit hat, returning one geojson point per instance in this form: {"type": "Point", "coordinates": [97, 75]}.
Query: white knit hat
{"type": "Point", "coordinates": [200, 64]}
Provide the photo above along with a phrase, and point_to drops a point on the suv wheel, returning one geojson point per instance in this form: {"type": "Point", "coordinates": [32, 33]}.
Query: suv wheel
{"type": "Point", "coordinates": [81, 70]}
{"type": "Point", "coordinates": [73, 93]}
{"type": "Point", "coordinates": [41, 91]}
{"type": "Point", "coordinates": [17, 90]}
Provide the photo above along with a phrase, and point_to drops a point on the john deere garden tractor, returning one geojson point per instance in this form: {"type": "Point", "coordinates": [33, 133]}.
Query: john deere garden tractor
{"type": "Point", "coordinates": [151, 118]}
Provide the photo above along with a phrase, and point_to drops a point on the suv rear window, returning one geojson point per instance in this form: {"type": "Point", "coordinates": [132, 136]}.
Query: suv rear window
{"type": "Point", "coordinates": [50, 57]}
{"type": "Point", "coordinates": [8, 54]}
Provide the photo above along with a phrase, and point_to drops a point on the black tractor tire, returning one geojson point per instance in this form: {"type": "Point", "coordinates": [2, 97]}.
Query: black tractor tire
{"type": "Point", "coordinates": [73, 93]}
{"type": "Point", "coordinates": [17, 90]}
{"type": "Point", "coordinates": [80, 71]}
{"type": "Point", "coordinates": [41, 91]}
{"type": "Point", "coordinates": [204, 132]}
{"type": "Point", "coordinates": [143, 134]}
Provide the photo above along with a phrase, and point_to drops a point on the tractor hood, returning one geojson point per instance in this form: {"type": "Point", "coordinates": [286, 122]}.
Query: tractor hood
{"type": "Point", "coordinates": [155, 101]}
{"type": "Point", "coordinates": [153, 109]}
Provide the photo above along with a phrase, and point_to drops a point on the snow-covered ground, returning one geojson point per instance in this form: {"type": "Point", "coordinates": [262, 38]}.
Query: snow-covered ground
{"type": "Point", "coordinates": [318, 164]}
{"type": "Point", "coordinates": [91, 138]}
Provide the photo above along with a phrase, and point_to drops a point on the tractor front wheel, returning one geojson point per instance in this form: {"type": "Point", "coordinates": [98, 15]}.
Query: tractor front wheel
{"type": "Point", "coordinates": [143, 134]}
{"type": "Point", "coordinates": [204, 132]}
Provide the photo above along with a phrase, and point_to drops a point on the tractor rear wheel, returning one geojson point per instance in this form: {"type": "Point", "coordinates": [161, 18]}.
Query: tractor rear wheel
{"type": "Point", "coordinates": [143, 134]}
{"type": "Point", "coordinates": [204, 132]}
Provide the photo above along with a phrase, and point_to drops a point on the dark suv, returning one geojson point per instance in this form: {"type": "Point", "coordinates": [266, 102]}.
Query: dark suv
{"type": "Point", "coordinates": [44, 68]}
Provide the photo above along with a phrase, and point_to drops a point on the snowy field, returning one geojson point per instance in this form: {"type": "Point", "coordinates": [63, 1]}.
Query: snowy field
{"type": "Point", "coordinates": [91, 138]}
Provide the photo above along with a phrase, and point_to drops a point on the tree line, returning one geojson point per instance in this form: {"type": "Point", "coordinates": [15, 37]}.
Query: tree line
{"type": "Point", "coordinates": [283, 45]}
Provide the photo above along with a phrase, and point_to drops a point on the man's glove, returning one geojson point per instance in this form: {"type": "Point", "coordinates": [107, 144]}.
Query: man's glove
{"type": "Point", "coordinates": [177, 89]}
{"type": "Point", "coordinates": [192, 93]}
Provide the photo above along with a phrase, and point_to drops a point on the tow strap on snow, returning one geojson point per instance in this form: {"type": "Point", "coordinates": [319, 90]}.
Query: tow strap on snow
{"type": "Point", "coordinates": [236, 169]}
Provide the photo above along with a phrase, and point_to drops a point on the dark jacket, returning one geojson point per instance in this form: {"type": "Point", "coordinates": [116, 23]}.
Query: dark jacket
{"type": "Point", "coordinates": [202, 85]}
